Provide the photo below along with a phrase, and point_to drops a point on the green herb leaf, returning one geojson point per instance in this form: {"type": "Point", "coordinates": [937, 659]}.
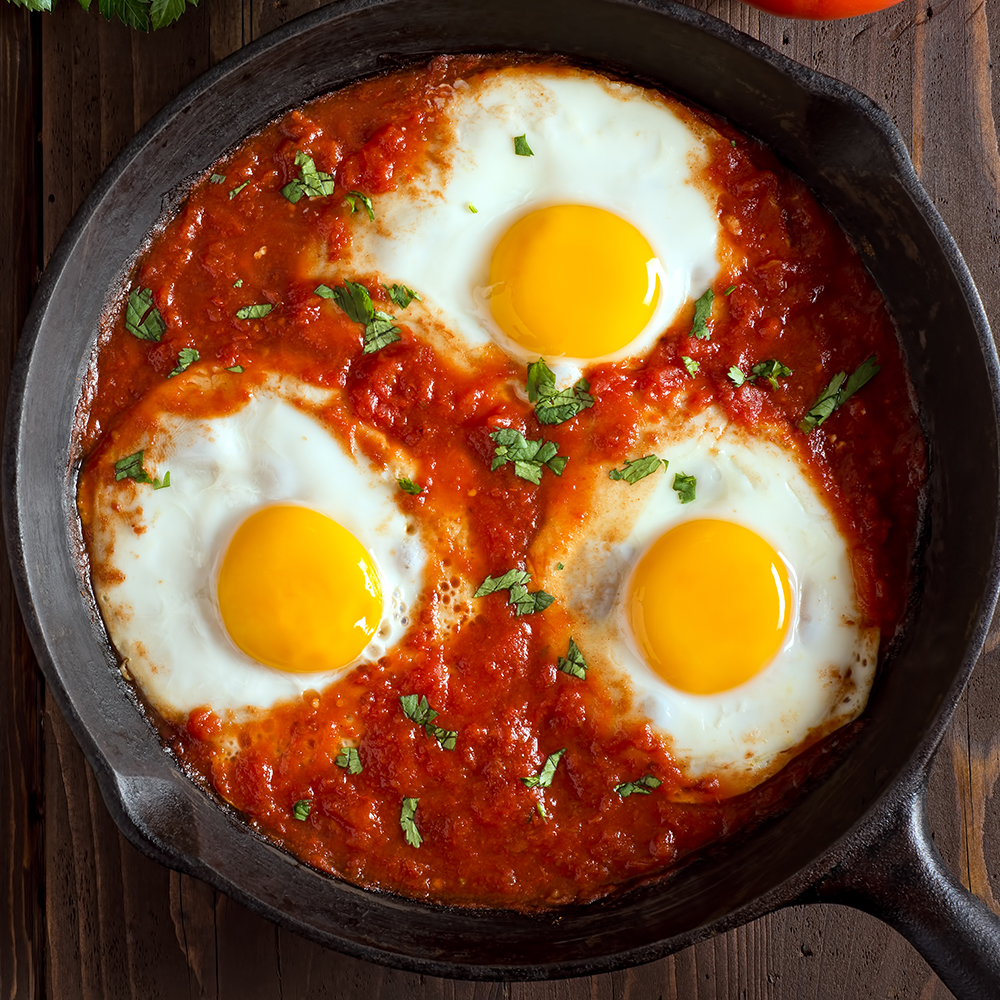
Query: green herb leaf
{"type": "Point", "coordinates": [130, 467]}
{"type": "Point", "coordinates": [187, 357]}
{"type": "Point", "coordinates": [529, 457]}
{"type": "Point", "coordinates": [407, 824]}
{"type": "Point", "coordinates": [311, 183]}
{"type": "Point", "coordinates": [540, 809]}
{"type": "Point", "coordinates": [301, 810]}
{"type": "Point", "coordinates": [521, 147]}
{"type": "Point", "coordinates": [418, 710]}
{"type": "Point", "coordinates": [142, 318]}
{"type": "Point", "coordinates": [553, 406]}
{"type": "Point", "coordinates": [257, 311]}
{"type": "Point", "coordinates": [702, 314]}
{"type": "Point", "coordinates": [218, 178]}
{"type": "Point", "coordinates": [731, 288]}
{"type": "Point", "coordinates": [642, 786]}
{"type": "Point", "coordinates": [324, 292]}
{"type": "Point", "coordinates": [573, 662]}
{"type": "Point", "coordinates": [861, 375]}
{"type": "Point", "coordinates": [691, 365]}
{"type": "Point", "coordinates": [130, 12]}
{"type": "Point", "coordinates": [638, 468]}
{"type": "Point", "coordinates": [401, 295]}
{"type": "Point", "coordinates": [544, 777]}
{"type": "Point", "coordinates": [349, 759]}
{"type": "Point", "coordinates": [238, 369]}
{"type": "Point", "coordinates": [838, 392]}
{"type": "Point", "coordinates": [736, 376]}
{"type": "Point", "coordinates": [236, 190]}
{"type": "Point", "coordinates": [685, 487]}
{"type": "Point", "coordinates": [771, 370]}
{"type": "Point", "coordinates": [516, 582]}
{"type": "Point", "coordinates": [238, 283]}
{"type": "Point", "coordinates": [353, 197]}
{"type": "Point", "coordinates": [353, 298]}
{"type": "Point", "coordinates": [164, 12]}
{"type": "Point", "coordinates": [409, 486]}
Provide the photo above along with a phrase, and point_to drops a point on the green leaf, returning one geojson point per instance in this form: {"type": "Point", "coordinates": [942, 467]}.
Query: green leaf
{"type": "Point", "coordinates": [544, 777]}
{"type": "Point", "coordinates": [825, 404]}
{"type": "Point", "coordinates": [771, 370]}
{"type": "Point", "coordinates": [380, 332]}
{"type": "Point", "coordinates": [516, 581]}
{"type": "Point", "coordinates": [691, 365]}
{"type": "Point", "coordinates": [218, 178]}
{"type": "Point", "coordinates": [130, 12]}
{"type": "Point", "coordinates": [238, 283]}
{"type": "Point", "coordinates": [131, 467]}
{"type": "Point", "coordinates": [573, 662]}
{"type": "Point", "coordinates": [258, 311]}
{"type": "Point", "coordinates": [187, 357]}
{"type": "Point", "coordinates": [641, 786]}
{"type": "Point", "coordinates": [142, 318]}
{"type": "Point", "coordinates": [238, 369]}
{"type": "Point", "coordinates": [553, 406]}
{"type": "Point", "coordinates": [401, 295]}
{"type": "Point", "coordinates": [301, 810]}
{"type": "Point", "coordinates": [684, 486]}
{"type": "Point", "coordinates": [311, 183]}
{"type": "Point", "coordinates": [736, 376]}
{"type": "Point", "coordinates": [325, 292]}
{"type": "Point", "coordinates": [354, 299]}
{"type": "Point", "coordinates": [349, 759]}
{"type": "Point", "coordinates": [406, 822]}
{"type": "Point", "coordinates": [409, 486]}
{"type": "Point", "coordinates": [702, 314]}
{"type": "Point", "coordinates": [418, 710]}
{"type": "Point", "coordinates": [164, 12]}
{"type": "Point", "coordinates": [731, 288]}
{"type": "Point", "coordinates": [353, 197]}
{"type": "Point", "coordinates": [236, 190]}
{"type": "Point", "coordinates": [862, 375]}
{"type": "Point", "coordinates": [529, 457]}
{"type": "Point", "coordinates": [638, 468]}
{"type": "Point", "coordinates": [521, 147]}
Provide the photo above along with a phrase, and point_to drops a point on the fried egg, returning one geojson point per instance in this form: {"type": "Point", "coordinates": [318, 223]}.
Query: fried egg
{"type": "Point", "coordinates": [580, 242]}
{"type": "Point", "coordinates": [732, 619]}
{"type": "Point", "coordinates": [273, 561]}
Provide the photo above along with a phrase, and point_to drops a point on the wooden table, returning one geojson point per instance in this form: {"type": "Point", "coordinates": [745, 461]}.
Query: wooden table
{"type": "Point", "coordinates": [84, 913]}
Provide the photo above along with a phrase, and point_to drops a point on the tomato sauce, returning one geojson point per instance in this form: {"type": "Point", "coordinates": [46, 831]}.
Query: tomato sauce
{"type": "Point", "coordinates": [487, 838]}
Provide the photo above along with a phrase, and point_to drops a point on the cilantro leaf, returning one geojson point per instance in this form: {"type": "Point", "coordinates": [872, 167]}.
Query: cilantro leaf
{"type": "Point", "coordinates": [638, 468]}
{"type": "Point", "coordinates": [238, 369]}
{"type": "Point", "coordinates": [354, 299]}
{"type": "Point", "coordinates": [257, 311]}
{"type": "Point", "coordinates": [771, 370]}
{"type": "Point", "coordinates": [736, 376]}
{"type": "Point", "coordinates": [544, 777]}
{"type": "Point", "coordinates": [516, 582]}
{"type": "Point", "coordinates": [236, 190]}
{"type": "Point", "coordinates": [311, 183]}
{"type": "Point", "coordinates": [238, 283]}
{"type": "Point", "coordinates": [185, 358]}
{"type": "Point", "coordinates": [418, 710]}
{"type": "Point", "coordinates": [861, 375]}
{"type": "Point", "coordinates": [409, 486]}
{"type": "Point", "coordinates": [301, 810]}
{"type": "Point", "coordinates": [529, 457]}
{"type": "Point", "coordinates": [218, 178]}
{"type": "Point", "coordinates": [353, 197]}
{"type": "Point", "coordinates": [401, 295]}
{"type": "Point", "coordinates": [573, 662]}
{"type": "Point", "coordinates": [130, 467]}
{"type": "Point", "coordinates": [142, 318]}
{"type": "Point", "coordinates": [349, 759]}
{"type": "Point", "coordinates": [324, 292]}
{"type": "Point", "coordinates": [838, 392]}
{"type": "Point", "coordinates": [702, 314]}
{"type": "Point", "coordinates": [407, 824]}
{"type": "Point", "coordinates": [521, 147]}
{"type": "Point", "coordinates": [685, 487]}
{"type": "Point", "coordinates": [642, 786]}
{"type": "Point", "coordinates": [691, 365]}
{"type": "Point", "coordinates": [553, 406]}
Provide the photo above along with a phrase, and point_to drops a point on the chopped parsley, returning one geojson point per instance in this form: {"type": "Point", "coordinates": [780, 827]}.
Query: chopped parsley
{"type": "Point", "coordinates": [638, 468]}
{"type": "Point", "coordinates": [731, 288]}
{"type": "Point", "coordinates": [521, 147]}
{"type": "Point", "coordinates": [353, 298]}
{"type": "Point", "coordinates": [838, 392]}
{"type": "Point", "coordinates": [736, 376]}
{"type": "Point", "coordinates": [573, 662]}
{"type": "Point", "coordinates": [257, 311]}
{"type": "Point", "coordinates": [691, 365]}
{"type": "Point", "coordinates": [516, 582]}
{"type": "Point", "coordinates": [130, 467]}
{"type": "Point", "coordinates": [142, 318]}
{"type": "Point", "coordinates": [218, 178]}
{"type": "Point", "coordinates": [301, 810]}
{"type": "Point", "coordinates": [407, 824]}
{"type": "Point", "coordinates": [238, 369]}
{"type": "Point", "coordinates": [349, 759]}
{"type": "Point", "coordinates": [352, 198]}
{"type": "Point", "coordinates": [418, 711]}
{"type": "Point", "coordinates": [770, 370]}
{"type": "Point", "coordinates": [236, 190]}
{"type": "Point", "coordinates": [552, 405]}
{"type": "Point", "coordinates": [702, 314]}
{"type": "Point", "coordinates": [544, 777]}
{"type": "Point", "coordinates": [187, 357]}
{"type": "Point", "coordinates": [684, 485]}
{"type": "Point", "coordinates": [311, 183]}
{"type": "Point", "coordinates": [643, 786]}
{"type": "Point", "coordinates": [238, 283]}
{"type": "Point", "coordinates": [529, 457]}
{"type": "Point", "coordinates": [409, 486]}
{"type": "Point", "coordinates": [401, 295]}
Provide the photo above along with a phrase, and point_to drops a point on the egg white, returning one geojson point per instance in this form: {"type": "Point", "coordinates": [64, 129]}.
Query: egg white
{"type": "Point", "coordinates": [159, 550]}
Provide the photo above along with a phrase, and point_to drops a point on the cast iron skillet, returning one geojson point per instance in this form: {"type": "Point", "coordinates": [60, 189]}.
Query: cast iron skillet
{"type": "Point", "coordinates": [860, 836]}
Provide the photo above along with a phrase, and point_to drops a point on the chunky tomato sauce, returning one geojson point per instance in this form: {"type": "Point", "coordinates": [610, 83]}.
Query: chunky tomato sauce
{"type": "Point", "coordinates": [487, 839]}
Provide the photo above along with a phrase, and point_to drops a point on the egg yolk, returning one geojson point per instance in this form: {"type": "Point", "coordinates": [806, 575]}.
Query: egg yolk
{"type": "Point", "coordinates": [573, 280]}
{"type": "Point", "coordinates": [709, 605]}
{"type": "Point", "coordinates": [298, 591]}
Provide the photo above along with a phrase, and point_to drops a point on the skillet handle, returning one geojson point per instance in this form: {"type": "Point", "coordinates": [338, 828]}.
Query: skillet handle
{"type": "Point", "coordinates": [895, 872]}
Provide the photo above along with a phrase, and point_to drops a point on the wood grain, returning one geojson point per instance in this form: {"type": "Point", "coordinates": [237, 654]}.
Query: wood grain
{"type": "Point", "coordinates": [99, 920]}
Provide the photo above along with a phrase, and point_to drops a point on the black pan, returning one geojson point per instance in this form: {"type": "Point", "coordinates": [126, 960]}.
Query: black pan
{"type": "Point", "coordinates": [859, 836]}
